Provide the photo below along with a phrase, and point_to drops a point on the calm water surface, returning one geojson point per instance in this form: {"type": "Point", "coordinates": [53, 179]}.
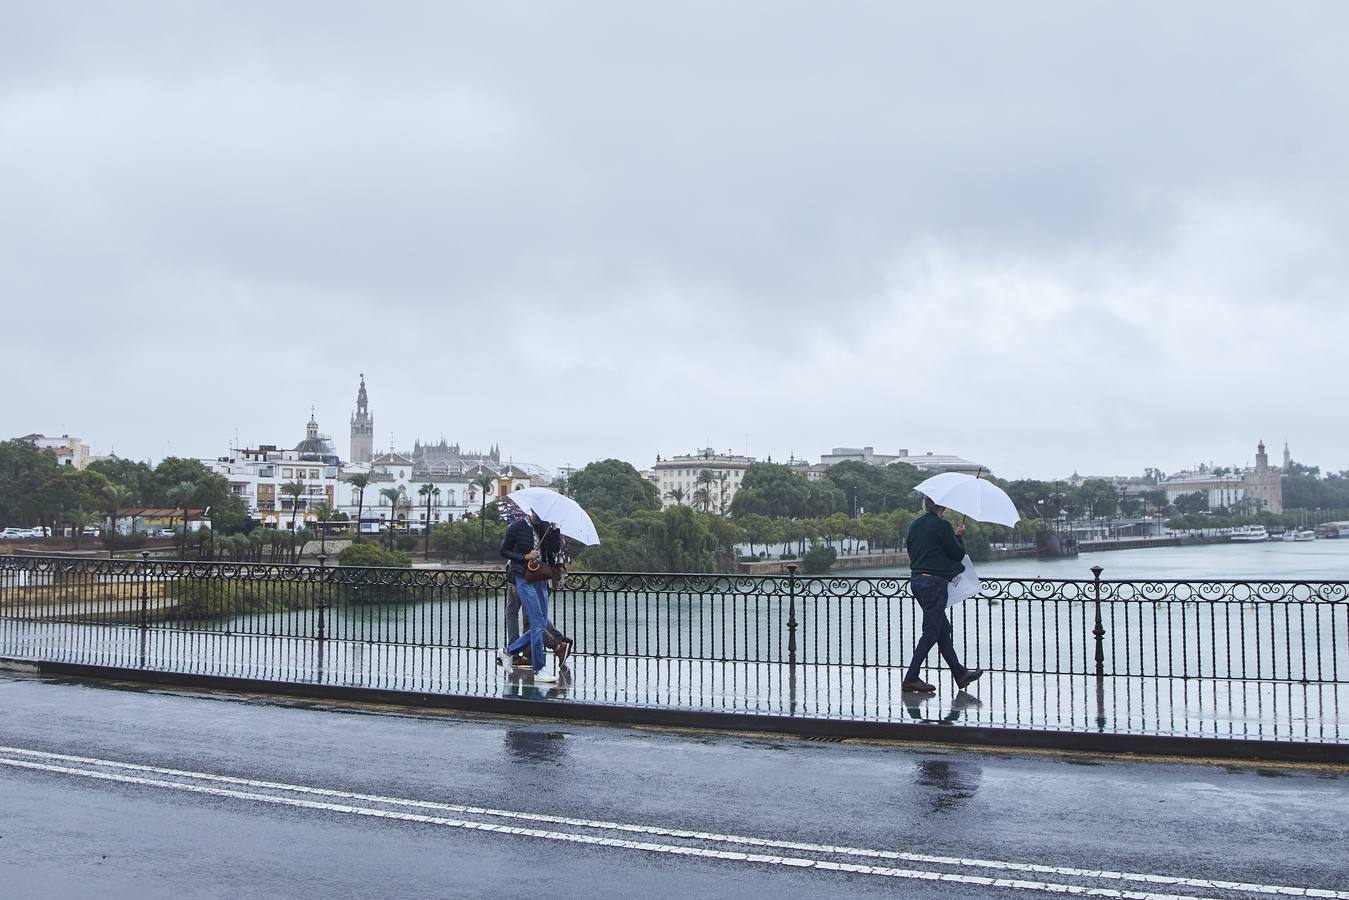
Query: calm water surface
{"type": "Point", "coordinates": [1275, 560]}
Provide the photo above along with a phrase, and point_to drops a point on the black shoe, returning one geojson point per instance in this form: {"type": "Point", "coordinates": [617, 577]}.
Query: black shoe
{"type": "Point", "coordinates": [918, 686]}
{"type": "Point", "coordinates": [969, 678]}
{"type": "Point", "coordinates": [563, 650]}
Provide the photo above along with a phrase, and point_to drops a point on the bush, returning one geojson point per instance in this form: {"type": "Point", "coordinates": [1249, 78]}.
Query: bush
{"type": "Point", "coordinates": [373, 555]}
{"type": "Point", "coordinates": [405, 541]}
{"type": "Point", "coordinates": [818, 559]}
{"type": "Point", "coordinates": [200, 598]}
{"type": "Point", "coordinates": [114, 541]}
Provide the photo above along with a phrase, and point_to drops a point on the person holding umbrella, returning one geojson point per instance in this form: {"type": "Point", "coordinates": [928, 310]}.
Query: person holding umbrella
{"type": "Point", "coordinates": [936, 551]}
{"type": "Point", "coordinates": [536, 540]}
{"type": "Point", "coordinates": [550, 515]}
{"type": "Point", "coordinates": [937, 555]}
{"type": "Point", "coordinates": [520, 535]}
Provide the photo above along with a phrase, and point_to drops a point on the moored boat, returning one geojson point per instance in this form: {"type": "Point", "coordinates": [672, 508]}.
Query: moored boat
{"type": "Point", "coordinates": [1249, 534]}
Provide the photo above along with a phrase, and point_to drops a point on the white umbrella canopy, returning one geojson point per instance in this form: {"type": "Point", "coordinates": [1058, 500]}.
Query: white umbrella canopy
{"type": "Point", "coordinates": [981, 500]}
{"type": "Point", "coordinates": [563, 512]}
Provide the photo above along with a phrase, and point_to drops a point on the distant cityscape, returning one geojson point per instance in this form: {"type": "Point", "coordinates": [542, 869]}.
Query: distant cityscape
{"type": "Point", "coordinates": [441, 481]}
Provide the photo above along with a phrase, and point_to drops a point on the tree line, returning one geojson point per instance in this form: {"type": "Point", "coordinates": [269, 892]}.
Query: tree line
{"type": "Point", "coordinates": [36, 490]}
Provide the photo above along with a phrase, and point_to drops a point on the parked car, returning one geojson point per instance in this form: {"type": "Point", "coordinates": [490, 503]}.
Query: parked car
{"type": "Point", "coordinates": [166, 533]}
{"type": "Point", "coordinates": [13, 534]}
{"type": "Point", "coordinates": [91, 532]}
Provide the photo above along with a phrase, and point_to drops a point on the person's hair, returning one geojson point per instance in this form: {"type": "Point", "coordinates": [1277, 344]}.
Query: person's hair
{"type": "Point", "coordinates": [929, 506]}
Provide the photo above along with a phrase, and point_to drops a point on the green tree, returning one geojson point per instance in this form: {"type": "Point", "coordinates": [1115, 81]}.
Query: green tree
{"type": "Point", "coordinates": [757, 530]}
{"type": "Point", "coordinates": [680, 541]}
{"type": "Point", "coordinates": [615, 487]}
{"type": "Point", "coordinates": [677, 494]}
{"type": "Point", "coordinates": [25, 471]}
{"type": "Point", "coordinates": [769, 489]}
{"type": "Point", "coordinates": [1097, 497]}
{"type": "Point", "coordinates": [136, 477]}
{"type": "Point", "coordinates": [1189, 504]}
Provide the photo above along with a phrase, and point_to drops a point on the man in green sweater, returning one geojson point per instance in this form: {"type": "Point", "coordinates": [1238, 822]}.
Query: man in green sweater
{"type": "Point", "coordinates": [935, 554]}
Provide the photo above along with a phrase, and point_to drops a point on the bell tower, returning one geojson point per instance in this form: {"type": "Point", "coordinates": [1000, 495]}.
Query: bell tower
{"type": "Point", "coordinates": [362, 428]}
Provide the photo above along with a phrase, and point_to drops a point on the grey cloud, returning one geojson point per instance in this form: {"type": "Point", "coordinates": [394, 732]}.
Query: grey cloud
{"type": "Point", "coordinates": [733, 218]}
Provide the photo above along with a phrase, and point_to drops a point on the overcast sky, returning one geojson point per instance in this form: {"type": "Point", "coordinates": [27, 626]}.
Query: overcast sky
{"type": "Point", "coordinates": [1047, 237]}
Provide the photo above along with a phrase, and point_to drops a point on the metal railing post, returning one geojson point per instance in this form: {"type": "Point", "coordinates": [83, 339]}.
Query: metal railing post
{"type": "Point", "coordinates": [1099, 630]}
{"type": "Point", "coordinates": [145, 590]}
{"type": "Point", "coordinates": [322, 608]}
{"type": "Point", "coordinates": [791, 614]}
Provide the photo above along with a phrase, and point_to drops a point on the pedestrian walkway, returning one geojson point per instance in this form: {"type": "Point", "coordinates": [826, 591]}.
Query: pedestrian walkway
{"type": "Point", "coordinates": [1207, 708]}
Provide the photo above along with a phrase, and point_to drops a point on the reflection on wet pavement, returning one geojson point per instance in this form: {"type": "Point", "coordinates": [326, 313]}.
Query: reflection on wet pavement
{"type": "Point", "coordinates": [953, 782]}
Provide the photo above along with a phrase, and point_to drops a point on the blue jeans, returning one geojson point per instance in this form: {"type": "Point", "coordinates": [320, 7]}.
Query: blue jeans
{"type": "Point", "coordinates": [534, 598]}
{"type": "Point", "coordinates": [930, 592]}
{"type": "Point", "coordinates": [551, 637]}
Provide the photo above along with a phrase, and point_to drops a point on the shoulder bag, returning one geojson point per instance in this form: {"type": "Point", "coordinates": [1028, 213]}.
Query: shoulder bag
{"type": "Point", "coordinates": [536, 568]}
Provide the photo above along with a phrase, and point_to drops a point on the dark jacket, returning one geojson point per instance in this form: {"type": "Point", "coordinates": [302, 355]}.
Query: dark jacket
{"type": "Point", "coordinates": [520, 539]}
{"type": "Point", "coordinates": [934, 548]}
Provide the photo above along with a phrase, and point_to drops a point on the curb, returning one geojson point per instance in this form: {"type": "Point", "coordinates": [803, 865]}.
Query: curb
{"type": "Point", "coordinates": [986, 737]}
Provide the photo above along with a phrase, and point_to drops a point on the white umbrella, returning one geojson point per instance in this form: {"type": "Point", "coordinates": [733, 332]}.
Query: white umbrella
{"type": "Point", "coordinates": [563, 512]}
{"type": "Point", "coordinates": [979, 499]}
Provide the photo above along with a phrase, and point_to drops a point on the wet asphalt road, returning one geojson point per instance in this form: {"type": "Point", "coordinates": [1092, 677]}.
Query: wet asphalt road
{"type": "Point", "coordinates": [91, 827]}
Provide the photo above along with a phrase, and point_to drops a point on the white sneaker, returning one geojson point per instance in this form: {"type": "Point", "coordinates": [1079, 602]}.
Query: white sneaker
{"type": "Point", "coordinates": [544, 678]}
{"type": "Point", "coordinates": [503, 659]}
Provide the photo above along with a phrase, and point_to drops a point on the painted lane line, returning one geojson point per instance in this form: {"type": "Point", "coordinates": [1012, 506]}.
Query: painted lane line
{"type": "Point", "coordinates": [596, 840]}
{"type": "Point", "coordinates": [737, 840]}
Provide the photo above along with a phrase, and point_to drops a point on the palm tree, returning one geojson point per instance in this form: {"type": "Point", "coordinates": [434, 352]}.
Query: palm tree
{"type": "Point", "coordinates": [114, 498]}
{"type": "Point", "coordinates": [484, 483]}
{"type": "Point", "coordinates": [182, 495]}
{"type": "Point", "coordinates": [81, 519]}
{"type": "Point", "coordinates": [429, 491]}
{"type": "Point", "coordinates": [395, 497]}
{"type": "Point", "coordinates": [360, 482]}
{"type": "Point", "coordinates": [677, 494]}
{"type": "Point", "coordinates": [294, 490]}
{"type": "Point", "coordinates": [702, 497]}
{"type": "Point", "coordinates": [704, 481]}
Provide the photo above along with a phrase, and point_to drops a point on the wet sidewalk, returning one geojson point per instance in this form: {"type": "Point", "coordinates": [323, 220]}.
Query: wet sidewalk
{"type": "Point", "coordinates": [1171, 707]}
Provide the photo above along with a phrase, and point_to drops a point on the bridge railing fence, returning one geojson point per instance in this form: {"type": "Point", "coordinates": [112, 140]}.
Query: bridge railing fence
{"type": "Point", "coordinates": [1294, 631]}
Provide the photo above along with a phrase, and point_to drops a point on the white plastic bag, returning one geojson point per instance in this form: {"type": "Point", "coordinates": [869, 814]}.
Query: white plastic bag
{"type": "Point", "coordinates": [963, 586]}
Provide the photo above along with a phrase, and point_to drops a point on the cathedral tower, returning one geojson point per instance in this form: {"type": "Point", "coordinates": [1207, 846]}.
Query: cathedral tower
{"type": "Point", "coordinates": [362, 428]}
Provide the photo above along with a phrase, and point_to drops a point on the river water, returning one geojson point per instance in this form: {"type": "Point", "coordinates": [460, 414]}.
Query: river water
{"type": "Point", "coordinates": [1320, 560]}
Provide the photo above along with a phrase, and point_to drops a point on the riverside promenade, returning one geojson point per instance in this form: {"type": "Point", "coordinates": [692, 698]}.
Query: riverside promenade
{"type": "Point", "coordinates": [1248, 669]}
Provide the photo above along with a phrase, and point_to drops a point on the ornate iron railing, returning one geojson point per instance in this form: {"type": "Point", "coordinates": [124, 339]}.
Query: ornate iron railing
{"type": "Point", "coordinates": [1294, 631]}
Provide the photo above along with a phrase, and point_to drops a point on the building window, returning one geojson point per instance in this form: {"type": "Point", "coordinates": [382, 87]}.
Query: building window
{"type": "Point", "coordinates": [286, 473]}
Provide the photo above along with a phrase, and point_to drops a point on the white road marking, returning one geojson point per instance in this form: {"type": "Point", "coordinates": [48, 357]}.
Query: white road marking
{"type": "Point", "coordinates": [763, 843]}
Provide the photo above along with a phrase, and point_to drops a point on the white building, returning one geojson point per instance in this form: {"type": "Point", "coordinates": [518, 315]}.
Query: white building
{"type": "Point", "coordinates": [938, 462]}
{"type": "Point", "coordinates": [451, 496]}
{"type": "Point", "coordinates": [257, 475]}
{"type": "Point", "coordinates": [69, 451]}
{"type": "Point", "coordinates": [928, 462]}
{"type": "Point", "coordinates": [677, 478]}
